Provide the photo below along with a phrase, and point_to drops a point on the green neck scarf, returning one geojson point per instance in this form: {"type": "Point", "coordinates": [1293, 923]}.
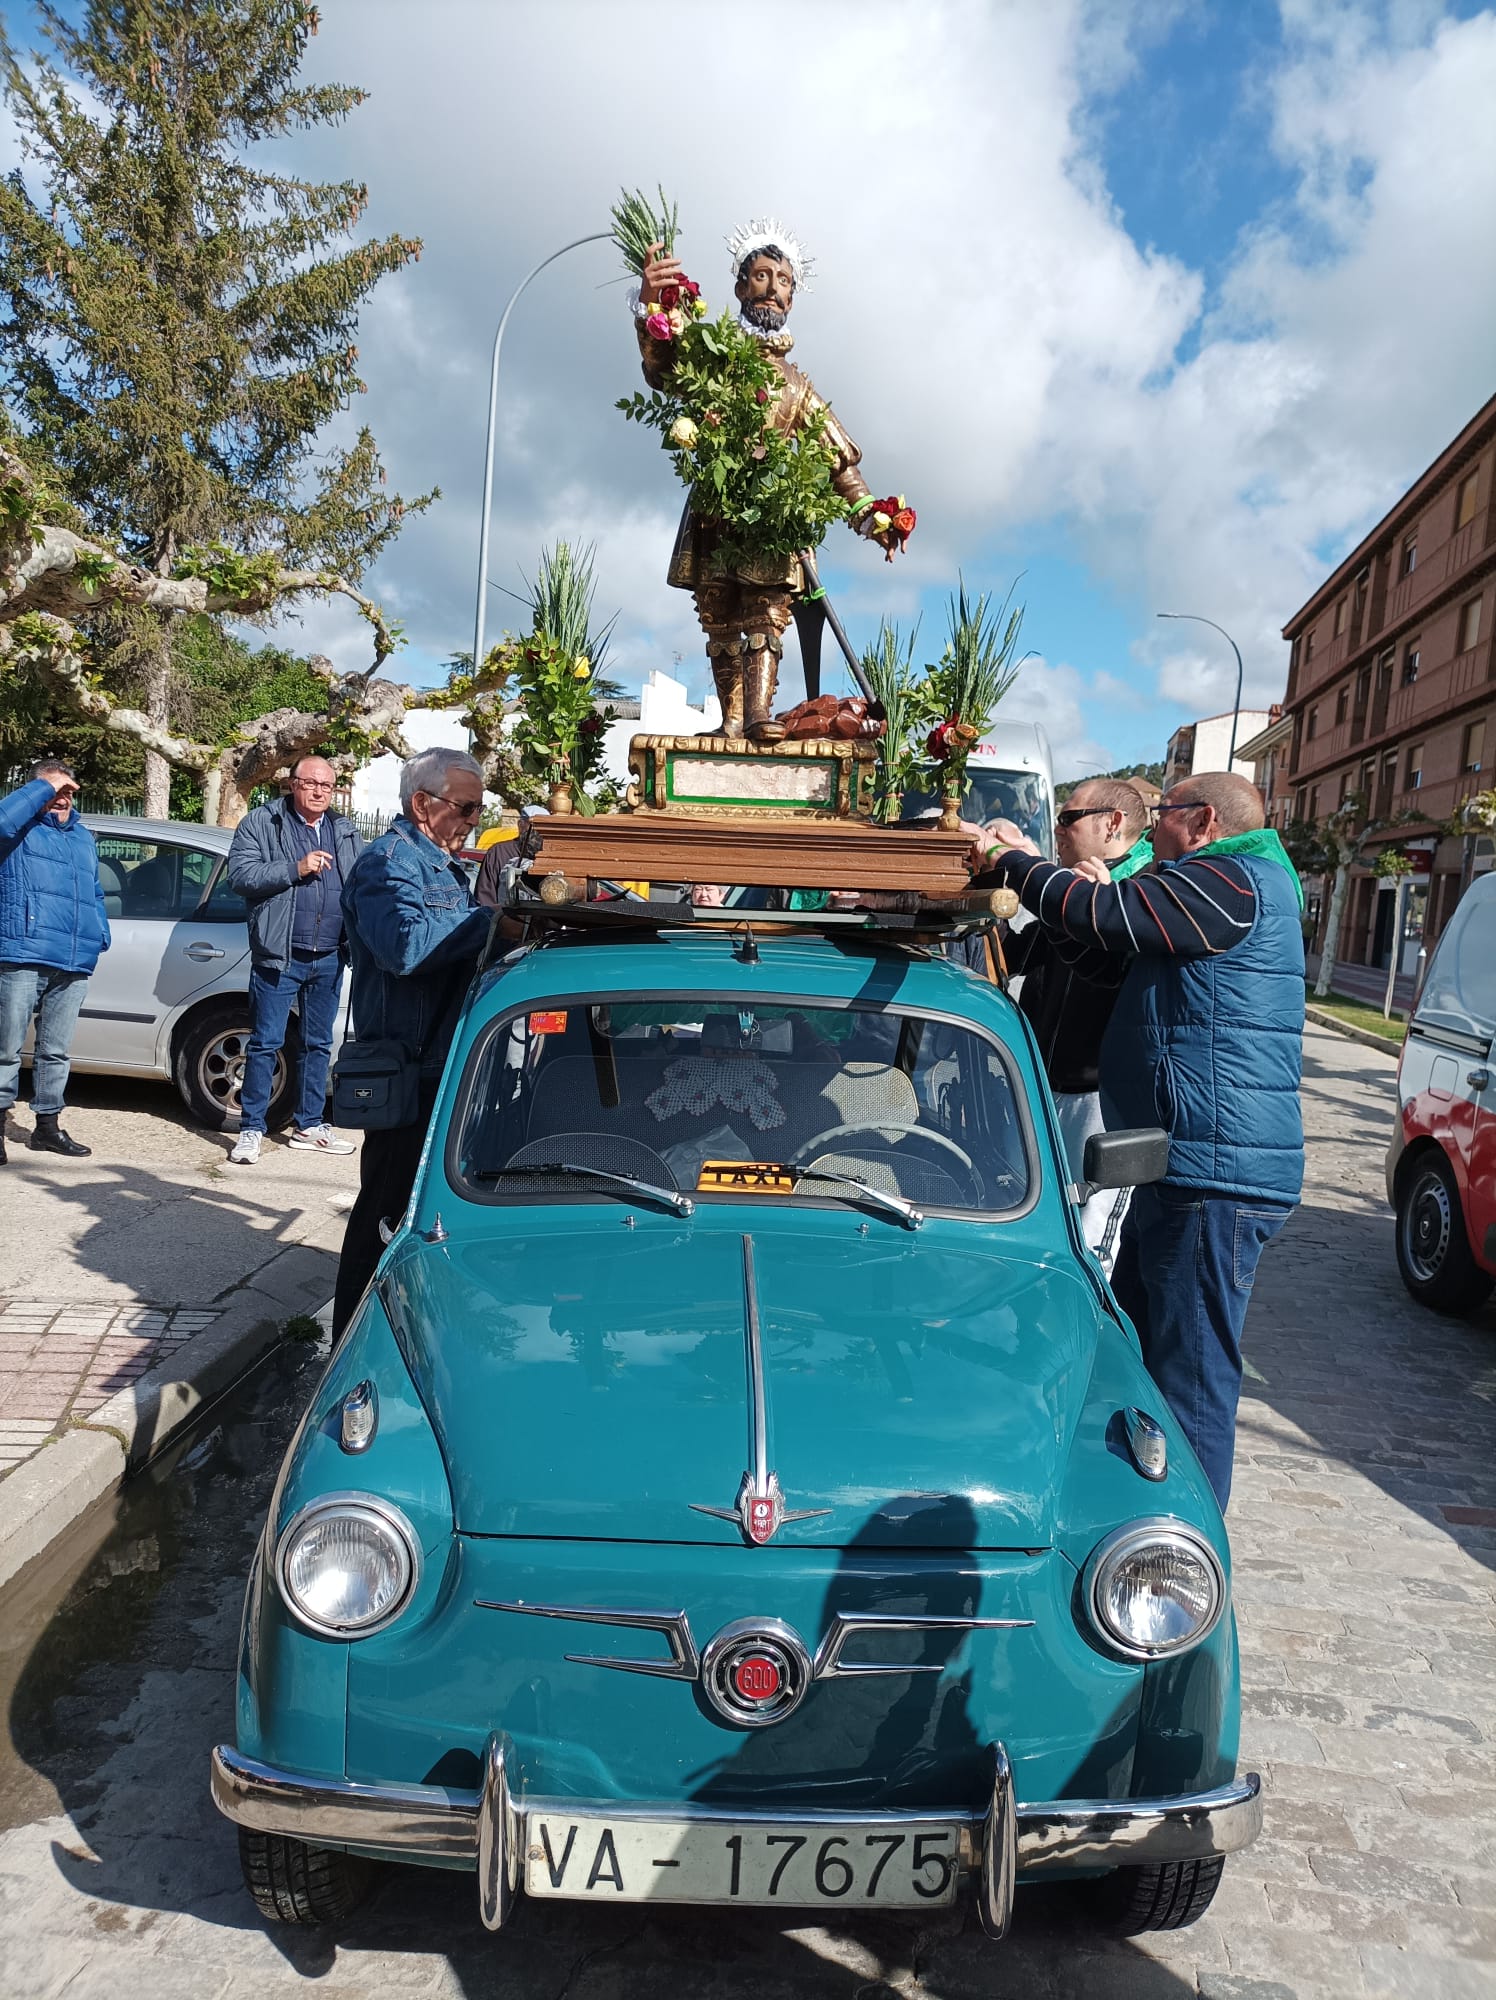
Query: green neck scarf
{"type": "Point", "coordinates": [1140, 855]}
{"type": "Point", "coordinates": [1264, 844]}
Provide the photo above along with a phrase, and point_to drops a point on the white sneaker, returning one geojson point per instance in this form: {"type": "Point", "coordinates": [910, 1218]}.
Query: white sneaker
{"type": "Point", "coordinates": [246, 1151]}
{"type": "Point", "coordinates": [320, 1139]}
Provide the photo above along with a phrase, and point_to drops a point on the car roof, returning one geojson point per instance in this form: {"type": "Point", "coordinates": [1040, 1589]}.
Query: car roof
{"type": "Point", "coordinates": [216, 839]}
{"type": "Point", "coordinates": [675, 962]}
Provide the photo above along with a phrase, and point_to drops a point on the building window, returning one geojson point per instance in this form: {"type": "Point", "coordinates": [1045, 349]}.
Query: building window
{"type": "Point", "coordinates": [1470, 625]}
{"type": "Point", "coordinates": [1309, 645]}
{"type": "Point", "coordinates": [1311, 728]}
{"type": "Point", "coordinates": [1410, 555]}
{"type": "Point", "coordinates": [1415, 767]}
{"type": "Point", "coordinates": [1339, 618]}
{"type": "Point", "coordinates": [1410, 664]}
{"type": "Point", "coordinates": [1473, 750]}
{"type": "Point", "coordinates": [1384, 672]}
{"type": "Point", "coordinates": [1464, 506]}
{"type": "Point", "coordinates": [1363, 687]}
{"type": "Point", "coordinates": [1342, 705]}
{"type": "Point", "coordinates": [1314, 803]}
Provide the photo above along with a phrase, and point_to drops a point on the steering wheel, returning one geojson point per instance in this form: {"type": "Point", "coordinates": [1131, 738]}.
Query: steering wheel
{"type": "Point", "coordinates": [882, 1127]}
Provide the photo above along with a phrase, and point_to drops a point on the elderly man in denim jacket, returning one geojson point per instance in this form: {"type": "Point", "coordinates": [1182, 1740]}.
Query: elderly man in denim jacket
{"type": "Point", "coordinates": [414, 937]}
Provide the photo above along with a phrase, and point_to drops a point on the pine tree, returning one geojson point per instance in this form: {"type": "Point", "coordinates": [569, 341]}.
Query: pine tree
{"type": "Point", "coordinates": [175, 327]}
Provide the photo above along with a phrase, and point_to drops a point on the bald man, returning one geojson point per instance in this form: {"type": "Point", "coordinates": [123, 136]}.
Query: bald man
{"type": "Point", "coordinates": [1205, 1039]}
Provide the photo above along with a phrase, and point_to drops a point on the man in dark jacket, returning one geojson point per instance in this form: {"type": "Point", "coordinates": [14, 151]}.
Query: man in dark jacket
{"type": "Point", "coordinates": [1103, 820]}
{"type": "Point", "coordinates": [52, 929]}
{"type": "Point", "coordinates": [1206, 1040]}
{"type": "Point", "coordinates": [415, 935]}
{"type": "Point", "coordinates": [289, 861]}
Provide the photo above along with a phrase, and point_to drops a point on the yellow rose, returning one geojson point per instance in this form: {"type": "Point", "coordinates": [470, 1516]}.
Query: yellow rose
{"type": "Point", "coordinates": [683, 433]}
{"type": "Point", "coordinates": [881, 521]}
{"type": "Point", "coordinates": [581, 670]}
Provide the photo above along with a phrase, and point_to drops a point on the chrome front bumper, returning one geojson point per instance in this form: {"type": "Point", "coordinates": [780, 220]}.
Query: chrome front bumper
{"type": "Point", "coordinates": [487, 1826]}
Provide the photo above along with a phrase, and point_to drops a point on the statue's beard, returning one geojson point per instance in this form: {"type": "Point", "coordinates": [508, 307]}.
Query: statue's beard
{"type": "Point", "coordinates": [763, 317]}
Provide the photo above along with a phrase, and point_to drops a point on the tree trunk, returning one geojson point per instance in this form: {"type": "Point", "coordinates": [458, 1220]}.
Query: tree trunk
{"type": "Point", "coordinates": [1338, 895]}
{"type": "Point", "coordinates": [212, 795]}
{"type": "Point", "coordinates": [157, 801]}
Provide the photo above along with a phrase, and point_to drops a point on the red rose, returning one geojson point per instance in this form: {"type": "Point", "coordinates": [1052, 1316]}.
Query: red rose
{"type": "Point", "coordinates": [903, 522]}
{"type": "Point", "coordinates": [938, 743]}
{"type": "Point", "coordinates": [761, 395]}
{"type": "Point", "coordinates": [690, 287]}
{"type": "Point", "coordinates": [670, 296]}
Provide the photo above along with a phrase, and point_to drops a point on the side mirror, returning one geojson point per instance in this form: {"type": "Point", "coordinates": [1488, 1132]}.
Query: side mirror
{"type": "Point", "coordinates": [1126, 1159]}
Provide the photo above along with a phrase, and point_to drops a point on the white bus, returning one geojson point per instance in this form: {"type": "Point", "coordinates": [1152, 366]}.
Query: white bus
{"type": "Point", "coordinates": [1008, 776]}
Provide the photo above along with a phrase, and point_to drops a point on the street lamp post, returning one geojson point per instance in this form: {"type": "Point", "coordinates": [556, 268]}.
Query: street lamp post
{"type": "Point", "coordinates": [1236, 712]}
{"type": "Point", "coordinates": [479, 614]}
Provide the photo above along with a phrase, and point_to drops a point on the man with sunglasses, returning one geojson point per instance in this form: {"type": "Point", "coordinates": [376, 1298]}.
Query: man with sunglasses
{"type": "Point", "coordinates": [1206, 1040]}
{"type": "Point", "coordinates": [1104, 820]}
{"type": "Point", "coordinates": [289, 861]}
{"type": "Point", "coordinates": [415, 934]}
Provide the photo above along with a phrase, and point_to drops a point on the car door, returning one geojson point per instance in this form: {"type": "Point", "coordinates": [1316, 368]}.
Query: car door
{"type": "Point", "coordinates": [1448, 1068]}
{"type": "Point", "coordinates": [168, 944]}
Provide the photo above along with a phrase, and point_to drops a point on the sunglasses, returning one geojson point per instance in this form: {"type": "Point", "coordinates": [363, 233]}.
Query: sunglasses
{"type": "Point", "coordinates": [464, 808]}
{"type": "Point", "coordinates": [1073, 815]}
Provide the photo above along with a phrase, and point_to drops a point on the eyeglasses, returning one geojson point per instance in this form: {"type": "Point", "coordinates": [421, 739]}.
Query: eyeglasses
{"type": "Point", "coordinates": [1072, 815]}
{"type": "Point", "coordinates": [1182, 806]}
{"type": "Point", "coordinates": [465, 808]}
{"type": "Point", "coordinates": [315, 784]}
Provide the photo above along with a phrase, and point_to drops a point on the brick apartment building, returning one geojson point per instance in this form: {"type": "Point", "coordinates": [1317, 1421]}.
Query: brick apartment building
{"type": "Point", "coordinates": [1391, 691]}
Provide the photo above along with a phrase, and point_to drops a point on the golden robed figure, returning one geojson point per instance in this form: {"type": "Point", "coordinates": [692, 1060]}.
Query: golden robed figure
{"type": "Point", "coordinates": [746, 609]}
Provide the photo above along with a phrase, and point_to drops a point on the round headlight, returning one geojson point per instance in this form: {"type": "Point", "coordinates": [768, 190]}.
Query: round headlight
{"type": "Point", "coordinates": [347, 1564]}
{"type": "Point", "coordinates": [1154, 1588]}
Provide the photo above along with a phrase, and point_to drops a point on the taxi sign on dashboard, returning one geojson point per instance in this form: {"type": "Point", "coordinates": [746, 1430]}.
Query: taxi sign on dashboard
{"type": "Point", "coordinates": [745, 1177]}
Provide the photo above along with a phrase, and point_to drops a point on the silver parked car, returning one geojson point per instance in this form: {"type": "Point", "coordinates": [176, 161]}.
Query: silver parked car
{"type": "Point", "coordinates": [170, 998]}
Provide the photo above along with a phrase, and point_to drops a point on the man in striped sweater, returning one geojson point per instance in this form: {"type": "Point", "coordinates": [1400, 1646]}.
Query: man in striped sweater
{"type": "Point", "coordinates": [1205, 1040]}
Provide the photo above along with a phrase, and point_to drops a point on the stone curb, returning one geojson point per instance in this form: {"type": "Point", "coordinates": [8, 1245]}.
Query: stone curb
{"type": "Point", "coordinates": [43, 1497]}
{"type": "Point", "coordinates": [1368, 1037]}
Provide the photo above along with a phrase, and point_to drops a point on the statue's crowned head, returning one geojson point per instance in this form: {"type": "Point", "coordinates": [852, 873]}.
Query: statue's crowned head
{"type": "Point", "coordinates": [769, 267]}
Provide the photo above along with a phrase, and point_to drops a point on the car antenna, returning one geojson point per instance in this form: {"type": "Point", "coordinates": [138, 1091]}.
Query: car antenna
{"type": "Point", "coordinates": [747, 951]}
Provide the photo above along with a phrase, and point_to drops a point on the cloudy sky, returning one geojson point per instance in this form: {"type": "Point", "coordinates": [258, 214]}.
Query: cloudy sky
{"type": "Point", "coordinates": [1155, 303]}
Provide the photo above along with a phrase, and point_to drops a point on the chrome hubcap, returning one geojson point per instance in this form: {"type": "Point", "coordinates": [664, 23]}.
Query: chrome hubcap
{"type": "Point", "coordinates": [1427, 1225]}
{"type": "Point", "coordinates": [220, 1070]}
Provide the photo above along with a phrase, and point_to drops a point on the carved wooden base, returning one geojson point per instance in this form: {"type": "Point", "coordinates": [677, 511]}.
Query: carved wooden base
{"type": "Point", "coordinates": [708, 776]}
{"type": "Point", "coordinates": [752, 851]}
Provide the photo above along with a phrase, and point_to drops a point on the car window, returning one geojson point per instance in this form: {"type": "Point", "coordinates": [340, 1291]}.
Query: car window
{"type": "Point", "coordinates": [151, 880]}
{"type": "Point", "coordinates": [729, 1100]}
{"type": "Point", "coordinates": [1459, 993]}
{"type": "Point", "coordinates": [224, 905]}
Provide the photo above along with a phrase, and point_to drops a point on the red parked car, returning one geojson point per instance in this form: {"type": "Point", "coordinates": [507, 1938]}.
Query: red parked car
{"type": "Point", "coordinates": [1441, 1165]}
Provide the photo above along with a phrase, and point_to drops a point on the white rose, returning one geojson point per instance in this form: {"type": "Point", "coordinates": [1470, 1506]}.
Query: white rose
{"type": "Point", "coordinates": [683, 433]}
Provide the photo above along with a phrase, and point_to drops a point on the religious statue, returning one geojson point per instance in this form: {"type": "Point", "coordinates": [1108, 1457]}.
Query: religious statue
{"type": "Point", "coordinates": [745, 599]}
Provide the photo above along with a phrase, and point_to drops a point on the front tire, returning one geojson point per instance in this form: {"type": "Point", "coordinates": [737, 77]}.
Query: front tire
{"type": "Point", "coordinates": [1433, 1250]}
{"type": "Point", "coordinates": [1166, 1898]}
{"type": "Point", "coordinates": [209, 1067]}
{"type": "Point", "coordinates": [292, 1883]}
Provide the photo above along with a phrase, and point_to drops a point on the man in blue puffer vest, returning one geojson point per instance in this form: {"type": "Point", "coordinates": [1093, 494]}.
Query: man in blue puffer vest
{"type": "Point", "coordinates": [1206, 1040]}
{"type": "Point", "coordinates": [52, 929]}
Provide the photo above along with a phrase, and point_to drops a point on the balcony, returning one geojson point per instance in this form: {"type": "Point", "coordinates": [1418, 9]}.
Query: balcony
{"type": "Point", "coordinates": [1462, 545]}
{"type": "Point", "coordinates": [1433, 802]}
{"type": "Point", "coordinates": [1468, 672]}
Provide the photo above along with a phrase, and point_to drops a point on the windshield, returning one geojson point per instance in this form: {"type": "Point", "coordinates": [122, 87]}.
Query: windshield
{"type": "Point", "coordinates": [729, 1100]}
{"type": "Point", "coordinates": [995, 793]}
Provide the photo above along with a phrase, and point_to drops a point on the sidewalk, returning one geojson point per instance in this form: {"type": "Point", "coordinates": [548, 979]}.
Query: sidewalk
{"type": "Point", "coordinates": [137, 1282]}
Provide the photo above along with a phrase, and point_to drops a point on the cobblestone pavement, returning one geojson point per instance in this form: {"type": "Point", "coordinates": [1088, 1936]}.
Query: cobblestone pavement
{"type": "Point", "coordinates": [108, 1264]}
{"type": "Point", "coordinates": [1364, 1538]}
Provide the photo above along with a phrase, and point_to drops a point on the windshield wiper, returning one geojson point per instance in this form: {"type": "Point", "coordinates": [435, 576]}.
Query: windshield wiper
{"type": "Point", "coordinates": [908, 1214]}
{"type": "Point", "coordinates": [671, 1197]}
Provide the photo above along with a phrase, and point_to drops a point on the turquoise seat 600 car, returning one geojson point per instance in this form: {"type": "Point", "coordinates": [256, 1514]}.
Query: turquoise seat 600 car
{"type": "Point", "coordinates": [739, 1485]}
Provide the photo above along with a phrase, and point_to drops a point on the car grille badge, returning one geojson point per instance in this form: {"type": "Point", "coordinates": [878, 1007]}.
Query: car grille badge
{"type": "Point", "coordinates": [760, 1510]}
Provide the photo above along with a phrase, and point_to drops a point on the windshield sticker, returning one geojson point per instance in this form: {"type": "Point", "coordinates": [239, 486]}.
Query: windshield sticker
{"type": "Point", "coordinates": [745, 1177]}
{"type": "Point", "coordinates": [548, 1024]}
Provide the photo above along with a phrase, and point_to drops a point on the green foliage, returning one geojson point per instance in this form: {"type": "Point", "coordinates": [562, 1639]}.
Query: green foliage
{"type": "Point", "coordinates": [560, 604]}
{"type": "Point", "coordinates": [1154, 773]}
{"type": "Point", "coordinates": [558, 732]}
{"type": "Point", "coordinates": [889, 666]}
{"type": "Point", "coordinates": [1391, 864]}
{"type": "Point", "coordinates": [974, 672]}
{"type": "Point", "coordinates": [770, 494]}
{"type": "Point", "coordinates": [637, 224]}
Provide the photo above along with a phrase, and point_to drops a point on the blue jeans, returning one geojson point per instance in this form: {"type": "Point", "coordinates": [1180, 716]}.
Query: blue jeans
{"type": "Point", "coordinates": [1184, 1274]}
{"type": "Point", "coordinates": [312, 986]}
{"type": "Point", "coordinates": [54, 999]}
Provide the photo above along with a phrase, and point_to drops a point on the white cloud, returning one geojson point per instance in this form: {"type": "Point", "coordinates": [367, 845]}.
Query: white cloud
{"type": "Point", "coordinates": [1058, 698]}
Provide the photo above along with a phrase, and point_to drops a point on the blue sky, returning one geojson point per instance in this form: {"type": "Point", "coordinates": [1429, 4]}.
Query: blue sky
{"type": "Point", "coordinates": [1113, 289]}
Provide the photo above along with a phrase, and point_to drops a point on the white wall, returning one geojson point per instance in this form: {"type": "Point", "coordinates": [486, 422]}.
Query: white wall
{"type": "Point", "coordinates": [1213, 740]}
{"type": "Point", "coordinates": [376, 787]}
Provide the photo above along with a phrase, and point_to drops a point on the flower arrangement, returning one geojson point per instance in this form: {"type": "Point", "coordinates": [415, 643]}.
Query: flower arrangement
{"type": "Point", "coordinates": [769, 494]}
{"type": "Point", "coordinates": [897, 514]}
{"type": "Point", "coordinates": [889, 667]}
{"type": "Point", "coordinates": [963, 689]}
